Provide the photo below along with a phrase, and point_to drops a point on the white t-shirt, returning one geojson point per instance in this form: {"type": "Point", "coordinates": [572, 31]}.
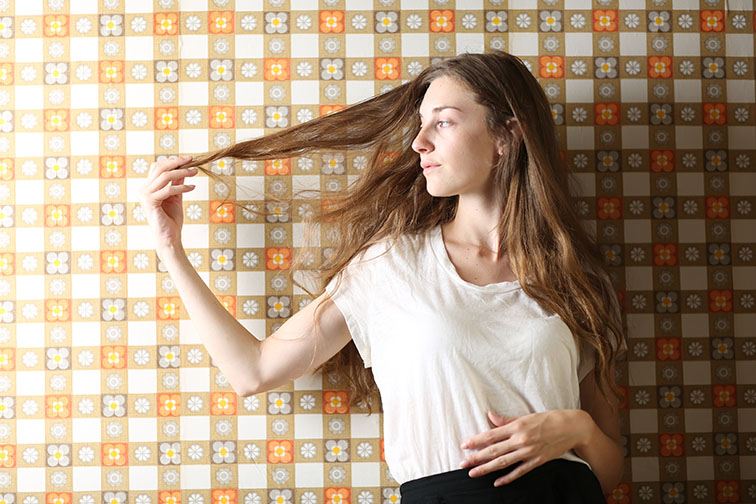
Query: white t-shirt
{"type": "Point", "coordinates": [444, 351]}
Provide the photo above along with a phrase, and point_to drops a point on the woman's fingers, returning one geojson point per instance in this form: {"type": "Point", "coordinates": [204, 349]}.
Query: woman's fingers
{"type": "Point", "coordinates": [170, 190]}
{"type": "Point", "coordinates": [169, 164]}
{"type": "Point", "coordinates": [175, 177]}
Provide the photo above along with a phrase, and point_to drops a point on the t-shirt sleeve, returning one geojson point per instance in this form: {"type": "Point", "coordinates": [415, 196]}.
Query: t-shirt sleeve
{"type": "Point", "coordinates": [349, 292]}
{"type": "Point", "coordinates": [588, 357]}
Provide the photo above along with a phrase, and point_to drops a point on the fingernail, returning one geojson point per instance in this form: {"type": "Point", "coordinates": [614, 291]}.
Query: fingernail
{"type": "Point", "coordinates": [465, 445]}
{"type": "Point", "coordinates": [192, 169]}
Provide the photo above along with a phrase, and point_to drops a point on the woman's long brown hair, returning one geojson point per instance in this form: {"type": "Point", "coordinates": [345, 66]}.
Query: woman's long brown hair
{"type": "Point", "coordinates": [556, 261]}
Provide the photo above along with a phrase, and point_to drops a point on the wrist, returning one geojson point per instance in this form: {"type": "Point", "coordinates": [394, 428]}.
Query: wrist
{"type": "Point", "coordinates": [585, 428]}
{"type": "Point", "coordinates": [171, 253]}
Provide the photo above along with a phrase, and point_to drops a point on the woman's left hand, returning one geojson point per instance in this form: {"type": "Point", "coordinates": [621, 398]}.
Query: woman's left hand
{"type": "Point", "coordinates": [533, 439]}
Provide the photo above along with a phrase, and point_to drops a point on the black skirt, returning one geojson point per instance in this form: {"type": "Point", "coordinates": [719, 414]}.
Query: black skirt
{"type": "Point", "coordinates": [558, 481]}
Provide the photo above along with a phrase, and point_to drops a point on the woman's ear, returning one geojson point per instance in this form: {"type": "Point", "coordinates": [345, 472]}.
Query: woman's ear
{"type": "Point", "coordinates": [513, 129]}
{"type": "Point", "coordinates": [513, 126]}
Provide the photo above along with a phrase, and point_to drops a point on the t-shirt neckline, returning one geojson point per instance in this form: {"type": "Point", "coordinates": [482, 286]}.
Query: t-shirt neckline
{"type": "Point", "coordinates": [439, 250]}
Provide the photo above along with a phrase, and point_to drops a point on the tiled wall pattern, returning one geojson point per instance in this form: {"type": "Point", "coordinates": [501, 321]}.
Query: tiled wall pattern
{"type": "Point", "coordinates": [107, 394]}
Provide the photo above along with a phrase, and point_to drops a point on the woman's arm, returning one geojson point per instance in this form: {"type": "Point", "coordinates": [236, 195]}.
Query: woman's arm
{"type": "Point", "coordinates": [251, 366]}
{"type": "Point", "coordinates": [601, 446]}
{"type": "Point", "coordinates": [592, 432]}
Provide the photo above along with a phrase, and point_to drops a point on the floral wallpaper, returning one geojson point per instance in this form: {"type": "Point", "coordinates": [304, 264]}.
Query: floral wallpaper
{"type": "Point", "coordinates": [107, 393]}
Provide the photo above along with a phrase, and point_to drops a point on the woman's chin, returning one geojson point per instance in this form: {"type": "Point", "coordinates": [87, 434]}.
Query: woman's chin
{"type": "Point", "coordinates": [438, 192]}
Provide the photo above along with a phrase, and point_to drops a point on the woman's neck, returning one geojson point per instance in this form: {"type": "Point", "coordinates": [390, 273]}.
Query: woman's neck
{"type": "Point", "coordinates": [476, 223]}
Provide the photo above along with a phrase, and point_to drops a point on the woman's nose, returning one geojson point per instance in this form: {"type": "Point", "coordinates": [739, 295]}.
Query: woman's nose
{"type": "Point", "coordinates": [421, 142]}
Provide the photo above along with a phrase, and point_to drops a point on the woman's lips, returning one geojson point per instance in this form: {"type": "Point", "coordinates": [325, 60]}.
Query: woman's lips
{"type": "Point", "coordinates": [429, 168]}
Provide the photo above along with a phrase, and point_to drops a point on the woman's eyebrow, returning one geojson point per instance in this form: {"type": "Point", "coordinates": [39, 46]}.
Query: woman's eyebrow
{"type": "Point", "coordinates": [440, 107]}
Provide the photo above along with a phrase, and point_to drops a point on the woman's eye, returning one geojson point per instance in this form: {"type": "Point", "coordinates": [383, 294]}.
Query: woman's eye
{"type": "Point", "coordinates": [446, 122]}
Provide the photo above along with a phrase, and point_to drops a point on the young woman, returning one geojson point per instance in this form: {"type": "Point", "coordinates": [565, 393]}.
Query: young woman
{"type": "Point", "coordinates": [464, 287]}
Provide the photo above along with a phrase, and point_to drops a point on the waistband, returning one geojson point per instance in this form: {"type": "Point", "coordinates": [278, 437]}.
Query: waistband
{"type": "Point", "coordinates": [460, 481]}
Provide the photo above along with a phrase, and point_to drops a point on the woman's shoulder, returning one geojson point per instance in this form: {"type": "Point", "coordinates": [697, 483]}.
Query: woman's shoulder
{"type": "Point", "coordinates": [403, 250]}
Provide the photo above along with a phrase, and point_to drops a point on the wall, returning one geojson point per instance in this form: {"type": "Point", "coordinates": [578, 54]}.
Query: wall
{"type": "Point", "coordinates": [107, 392]}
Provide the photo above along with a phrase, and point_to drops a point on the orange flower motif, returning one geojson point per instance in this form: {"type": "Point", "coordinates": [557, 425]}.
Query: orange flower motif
{"type": "Point", "coordinates": [715, 113]}
{"type": "Point", "coordinates": [605, 20]}
{"type": "Point", "coordinates": [6, 74]}
{"type": "Point", "coordinates": [7, 456]}
{"type": "Point", "coordinates": [57, 310]}
{"type": "Point", "coordinates": [327, 206]}
{"type": "Point", "coordinates": [58, 498]}
{"type": "Point", "coordinates": [621, 299]}
{"type": "Point", "coordinates": [280, 452]}
{"type": "Point", "coordinates": [330, 109]}
{"type": "Point", "coordinates": [331, 21]}
{"type": "Point", "coordinates": [278, 166]}
{"type": "Point", "coordinates": [6, 263]}
{"type": "Point", "coordinates": [337, 495]}
{"type": "Point", "coordinates": [607, 113]}
{"type": "Point", "coordinates": [659, 67]}
{"type": "Point", "coordinates": [551, 67]}
{"type": "Point", "coordinates": [114, 357]}
{"type": "Point", "coordinates": [620, 494]}
{"type": "Point", "coordinates": [222, 212]}
{"type": "Point", "coordinates": [166, 118]}
{"type": "Point", "coordinates": [278, 258]}
{"type": "Point", "coordinates": [115, 454]}
{"type": "Point", "coordinates": [112, 166]}
{"type": "Point", "coordinates": [668, 348]}
{"type": "Point", "coordinates": [717, 207]}
{"type": "Point", "coordinates": [169, 308]}
{"type": "Point", "coordinates": [111, 72]}
{"type": "Point", "coordinates": [166, 24]}
{"type": "Point", "coordinates": [665, 254]}
{"type": "Point", "coordinates": [58, 406]}
{"type": "Point", "coordinates": [720, 300]}
{"type": "Point", "coordinates": [56, 120]}
{"type": "Point", "coordinates": [229, 303]}
{"type": "Point", "coordinates": [6, 168]}
{"type": "Point", "coordinates": [223, 403]}
{"type": "Point", "coordinates": [169, 497]}
{"type": "Point", "coordinates": [56, 25]}
{"type": "Point", "coordinates": [169, 405]}
{"type": "Point", "coordinates": [336, 401]}
{"type": "Point", "coordinates": [113, 261]}
{"type": "Point", "coordinates": [221, 117]}
{"type": "Point", "coordinates": [712, 20]}
{"type": "Point", "coordinates": [442, 21]}
{"type": "Point", "coordinates": [724, 395]}
{"type": "Point", "coordinates": [225, 496]}
{"type": "Point", "coordinates": [221, 22]}
{"type": "Point", "coordinates": [671, 445]}
{"type": "Point", "coordinates": [7, 357]}
{"type": "Point", "coordinates": [277, 69]}
{"type": "Point", "coordinates": [387, 157]}
{"type": "Point", "coordinates": [662, 160]}
{"type": "Point", "coordinates": [56, 215]}
{"type": "Point", "coordinates": [623, 400]}
{"type": "Point", "coordinates": [728, 491]}
{"type": "Point", "coordinates": [609, 208]}
{"type": "Point", "coordinates": [387, 68]}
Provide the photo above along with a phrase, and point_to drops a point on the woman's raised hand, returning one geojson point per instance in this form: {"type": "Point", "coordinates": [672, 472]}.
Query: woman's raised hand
{"type": "Point", "coordinates": [162, 201]}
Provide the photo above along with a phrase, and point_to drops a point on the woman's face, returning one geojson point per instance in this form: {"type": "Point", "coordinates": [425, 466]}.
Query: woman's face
{"type": "Point", "coordinates": [456, 149]}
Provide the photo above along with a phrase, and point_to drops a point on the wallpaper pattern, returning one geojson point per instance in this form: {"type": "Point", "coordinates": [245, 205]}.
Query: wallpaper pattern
{"type": "Point", "coordinates": [106, 392]}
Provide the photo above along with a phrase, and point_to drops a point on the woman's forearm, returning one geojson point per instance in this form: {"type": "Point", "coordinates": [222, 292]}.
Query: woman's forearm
{"type": "Point", "coordinates": [232, 347]}
{"type": "Point", "coordinates": [604, 454]}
